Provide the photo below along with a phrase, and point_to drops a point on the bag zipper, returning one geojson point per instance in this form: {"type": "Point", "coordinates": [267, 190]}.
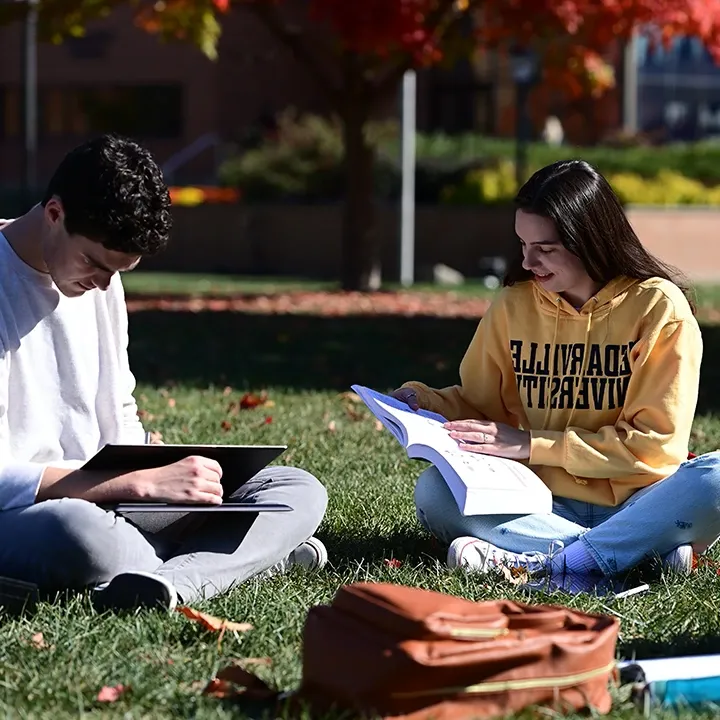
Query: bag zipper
{"type": "Point", "coordinates": [503, 685]}
{"type": "Point", "coordinates": [477, 632]}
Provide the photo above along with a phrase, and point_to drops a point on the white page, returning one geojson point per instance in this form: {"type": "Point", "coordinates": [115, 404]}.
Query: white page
{"type": "Point", "coordinates": [476, 470]}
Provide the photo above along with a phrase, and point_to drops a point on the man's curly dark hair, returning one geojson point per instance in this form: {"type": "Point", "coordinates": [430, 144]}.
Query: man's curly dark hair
{"type": "Point", "coordinates": [113, 193]}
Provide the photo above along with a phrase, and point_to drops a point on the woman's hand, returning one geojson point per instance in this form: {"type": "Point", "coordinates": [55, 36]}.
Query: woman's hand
{"type": "Point", "coordinates": [408, 396]}
{"type": "Point", "coordinates": [490, 438]}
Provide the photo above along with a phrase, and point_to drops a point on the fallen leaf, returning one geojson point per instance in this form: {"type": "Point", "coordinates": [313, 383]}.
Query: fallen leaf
{"type": "Point", "coordinates": [171, 402]}
{"type": "Point", "coordinates": [234, 681]}
{"type": "Point", "coordinates": [227, 391]}
{"type": "Point", "coordinates": [332, 427]}
{"type": "Point", "coordinates": [111, 694]}
{"type": "Point", "coordinates": [353, 414]}
{"type": "Point", "coordinates": [38, 642]}
{"type": "Point", "coordinates": [267, 421]}
{"type": "Point", "coordinates": [378, 425]}
{"type": "Point", "coordinates": [515, 575]}
{"type": "Point", "coordinates": [226, 425]}
{"type": "Point", "coordinates": [212, 623]}
{"type": "Point", "coordinates": [351, 397]}
{"type": "Point", "coordinates": [220, 689]}
{"type": "Point", "coordinates": [251, 400]}
{"type": "Point", "coordinates": [155, 438]}
{"type": "Point", "coordinates": [244, 662]}
{"type": "Point", "coordinates": [393, 563]}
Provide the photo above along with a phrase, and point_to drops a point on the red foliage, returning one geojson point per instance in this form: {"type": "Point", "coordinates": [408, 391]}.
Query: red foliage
{"type": "Point", "coordinates": [383, 27]}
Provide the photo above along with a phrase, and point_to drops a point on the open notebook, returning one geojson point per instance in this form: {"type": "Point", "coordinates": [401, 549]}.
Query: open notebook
{"type": "Point", "coordinates": [480, 484]}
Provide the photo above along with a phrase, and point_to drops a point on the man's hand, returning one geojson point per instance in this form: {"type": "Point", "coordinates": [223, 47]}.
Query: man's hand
{"type": "Point", "coordinates": [408, 396]}
{"type": "Point", "coordinates": [193, 480]}
{"type": "Point", "coordinates": [490, 438]}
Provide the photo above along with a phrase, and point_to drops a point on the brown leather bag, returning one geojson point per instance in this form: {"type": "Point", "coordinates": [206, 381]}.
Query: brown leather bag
{"type": "Point", "coordinates": [402, 652]}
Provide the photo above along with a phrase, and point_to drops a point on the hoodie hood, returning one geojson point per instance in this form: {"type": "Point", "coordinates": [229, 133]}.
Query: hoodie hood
{"type": "Point", "coordinates": [598, 304]}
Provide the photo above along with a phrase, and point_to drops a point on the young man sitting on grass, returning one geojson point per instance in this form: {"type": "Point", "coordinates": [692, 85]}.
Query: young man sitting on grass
{"type": "Point", "coordinates": [66, 390]}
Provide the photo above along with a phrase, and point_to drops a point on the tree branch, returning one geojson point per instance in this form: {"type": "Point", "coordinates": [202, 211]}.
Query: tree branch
{"type": "Point", "coordinates": [443, 19]}
{"type": "Point", "coordinates": [295, 39]}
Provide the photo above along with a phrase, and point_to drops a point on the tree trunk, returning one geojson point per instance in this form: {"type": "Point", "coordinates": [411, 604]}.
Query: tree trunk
{"type": "Point", "coordinates": [360, 256]}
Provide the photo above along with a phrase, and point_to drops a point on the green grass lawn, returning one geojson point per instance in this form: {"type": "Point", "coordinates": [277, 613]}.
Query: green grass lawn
{"type": "Point", "coordinates": [305, 364]}
{"type": "Point", "coordinates": [151, 283]}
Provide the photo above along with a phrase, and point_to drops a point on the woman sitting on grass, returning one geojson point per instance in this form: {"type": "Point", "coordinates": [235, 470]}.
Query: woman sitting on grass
{"type": "Point", "coordinates": [587, 367]}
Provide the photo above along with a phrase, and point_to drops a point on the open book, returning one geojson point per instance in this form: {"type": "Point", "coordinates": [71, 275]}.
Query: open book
{"type": "Point", "coordinates": [480, 484]}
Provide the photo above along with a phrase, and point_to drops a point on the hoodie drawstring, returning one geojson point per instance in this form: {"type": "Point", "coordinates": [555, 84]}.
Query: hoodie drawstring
{"type": "Point", "coordinates": [585, 355]}
{"type": "Point", "coordinates": [586, 341]}
{"type": "Point", "coordinates": [552, 361]}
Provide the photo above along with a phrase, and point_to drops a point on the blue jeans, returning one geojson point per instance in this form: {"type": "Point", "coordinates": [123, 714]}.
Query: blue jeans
{"type": "Point", "coordinates": [681, 509]}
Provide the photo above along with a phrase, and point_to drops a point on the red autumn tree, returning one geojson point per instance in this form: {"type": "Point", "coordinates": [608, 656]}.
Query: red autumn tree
{"type": "Point", "coordinates": [358, 51]}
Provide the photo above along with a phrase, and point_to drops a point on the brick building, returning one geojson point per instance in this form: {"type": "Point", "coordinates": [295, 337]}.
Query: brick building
{"type": "Point", "coordinates": [172, 98]}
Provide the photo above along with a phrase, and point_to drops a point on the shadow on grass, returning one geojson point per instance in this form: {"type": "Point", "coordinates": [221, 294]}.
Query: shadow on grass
{"type": "Point", "coordinates": [407, 547]}
{"type": "Point", "coordinates": [321, 353]}
{"type": "Point", "coordinates": [670, 646]}
{"type": "Point", "coordinates": [302, 353]}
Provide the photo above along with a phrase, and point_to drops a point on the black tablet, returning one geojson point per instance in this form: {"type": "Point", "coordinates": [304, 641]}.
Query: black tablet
{"type": "Point", "coordinates": [239, 463]}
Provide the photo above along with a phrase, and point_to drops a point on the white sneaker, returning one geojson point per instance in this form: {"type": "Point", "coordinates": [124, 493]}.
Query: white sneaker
{"type": "Point", "coordinates": [680, 560]}
{"type": "Point", "coordinates": [480, 556]}
{"type": "Point", "coordinates": [311, 555]}
{"type": "Point", "coordinates": [133, 590]}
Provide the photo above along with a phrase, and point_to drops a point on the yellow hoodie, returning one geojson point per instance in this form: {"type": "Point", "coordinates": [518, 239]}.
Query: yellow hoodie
{"type": "Point", "coordinates": [608, 391]}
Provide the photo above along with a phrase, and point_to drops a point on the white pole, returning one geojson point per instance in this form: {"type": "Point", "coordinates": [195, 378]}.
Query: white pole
{"type": "Point", "coordinates": [630, 85]}
{"type": "Point", "coordinates": [407, 203]}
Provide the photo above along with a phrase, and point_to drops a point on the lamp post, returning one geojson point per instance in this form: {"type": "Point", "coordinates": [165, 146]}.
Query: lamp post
{"type": "Point", "coordinates": [524, 67]}
{"type": "Point", "coordinates": [29, 69]}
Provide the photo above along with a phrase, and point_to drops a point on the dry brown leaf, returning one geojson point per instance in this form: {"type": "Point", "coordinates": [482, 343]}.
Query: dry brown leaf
{"type": "Point", "coordinates": [227, 391]}
{"type": "Point", "coordinates": [111, 694]}
{"type": "Point", "coordinates": [244, 662]}
{"type": "Point", "coordinates": [212, 623]}
{"type": "Point", "coordinates": [332, 427]}
{"type": "Point", "coordinates": [515, 576]}
{"type": "Point", "coordinates": [38, 642]}
{"type": "Point", "coordinates": [226, 425]}
{"type": "Point", "coordinates": [252, 400]}
{"type": "Point", "coordinates": [171, 402]}
{"type": "Point", "coordinates": [378, 425]}
{"type": "Point", "coordinates": [353, 414]}
{"type": "Point", "coordinates": [234, 681]}
{"type": "Point", "coordinates": [351, 397]}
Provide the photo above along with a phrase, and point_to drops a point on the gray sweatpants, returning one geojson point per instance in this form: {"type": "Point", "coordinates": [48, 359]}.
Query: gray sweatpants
{"type": "Point", "coordinates": [74, 544]}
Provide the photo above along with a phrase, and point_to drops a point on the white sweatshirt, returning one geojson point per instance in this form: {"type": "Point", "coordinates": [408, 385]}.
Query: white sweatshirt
{"type": "Point", "coordinates": [65, 383]}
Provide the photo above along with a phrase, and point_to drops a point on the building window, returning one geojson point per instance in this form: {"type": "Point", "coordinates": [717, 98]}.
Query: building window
{"type": "Point", "coordinates": [461, 108]}
{"type": "Point", "coordinates": [10, 113]}
{"type": "Point", "coordinates": [140, 111]}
